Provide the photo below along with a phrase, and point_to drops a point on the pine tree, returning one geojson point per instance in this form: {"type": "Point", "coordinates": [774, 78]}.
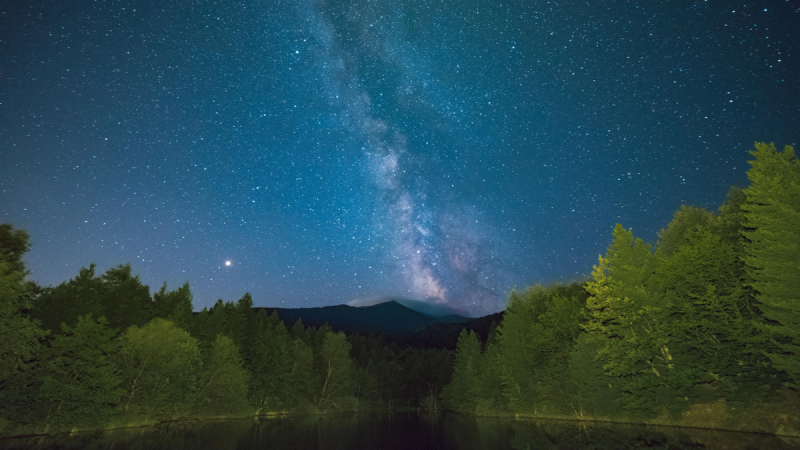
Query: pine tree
{"type": "Point", "coordinates": [126, 301]}
{"type": "Point", "coordinates": [460, 393]}
{"type": "Point", "coordinates": [243, 326]}
{"type": "Point", "coordinates": [175, 306]}
{"type": "Point", "coordinates": [772, 230]}
{"type": "Point", "coordinates": [270, 364]}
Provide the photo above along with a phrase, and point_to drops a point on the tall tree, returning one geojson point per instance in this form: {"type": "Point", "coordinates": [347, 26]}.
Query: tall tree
{"type": "Point", "coordinates": [20, 338]}
{"type": "Point", "coordinates": [175, 306]}
{"type": "Point", "coordinates": [460, 393]}
{"type": "Point", "coordinates": [223, 383]}
{"type": "Point", "coordinates": [626, 320]}
{"type": "Point", "coordinates": [80, 382]}
{"type": "Point", "coordinates": [160, 364]}
{"type": "Point", "coordinates": [243, 325]}
{"type": "Point", "coordinates": [772, 230]}
{"type": "Point", "coordinates": [336, 370]}
{"type": "Point", "coordinates": [271, 364]}
{"type": "Point", "coordinates": [303, 375]}
{"type": "Point", "coordinates": [126, 301]}
{"type": "Point", "coordinates": [537, 333]}
{"type": "Point", "coordinates": [711, 324]}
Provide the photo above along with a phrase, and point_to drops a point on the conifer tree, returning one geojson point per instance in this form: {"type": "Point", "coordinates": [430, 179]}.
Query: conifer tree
{"type": "Point", "coordinates": [772, 230]}
{"type": "Point", "coordinates": [126, 301]}
{"type": "Point", "coordinates": [460, 393]}
{"type": "Point", "coordinates": [270, 364]}
{"type": "Point", "coordinates": [175, 306]}
{"type": "Point", "coordinates": [243, 325]}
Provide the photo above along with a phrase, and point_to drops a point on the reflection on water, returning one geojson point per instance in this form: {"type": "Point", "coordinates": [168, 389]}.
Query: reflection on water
{"type": "Point", "coordinates": [402, 431]}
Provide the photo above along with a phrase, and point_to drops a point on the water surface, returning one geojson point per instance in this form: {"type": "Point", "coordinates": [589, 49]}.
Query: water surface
{"type": "Point", "coordinates": [401, 431]}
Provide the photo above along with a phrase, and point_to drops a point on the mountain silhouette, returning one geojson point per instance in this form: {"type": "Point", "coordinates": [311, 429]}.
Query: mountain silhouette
{"type": "Point", "coordinates": [391, 319]}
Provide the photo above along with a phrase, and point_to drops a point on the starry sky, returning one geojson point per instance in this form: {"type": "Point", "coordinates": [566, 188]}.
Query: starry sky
{"type": "Point", "coordinates": [341, 151]}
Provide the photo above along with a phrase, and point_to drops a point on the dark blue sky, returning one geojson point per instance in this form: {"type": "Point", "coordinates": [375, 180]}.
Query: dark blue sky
{"type": "Point", "coordinates": [343, 150]}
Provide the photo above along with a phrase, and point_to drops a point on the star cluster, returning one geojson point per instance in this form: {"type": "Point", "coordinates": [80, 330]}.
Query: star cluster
{"type": "Point", "coordinates": [315, 152]}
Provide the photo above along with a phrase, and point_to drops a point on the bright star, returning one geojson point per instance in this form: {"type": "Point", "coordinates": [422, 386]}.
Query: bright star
{"type": "Point", "coordinates": [227, 263]}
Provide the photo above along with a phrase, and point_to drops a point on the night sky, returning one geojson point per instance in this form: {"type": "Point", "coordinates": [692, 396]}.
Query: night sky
{"type": "Point", "coordinates": [339, 151]}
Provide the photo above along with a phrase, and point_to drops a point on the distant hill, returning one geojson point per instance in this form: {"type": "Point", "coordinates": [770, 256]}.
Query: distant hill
{"type": "Point", "coordinates": [391, 319]}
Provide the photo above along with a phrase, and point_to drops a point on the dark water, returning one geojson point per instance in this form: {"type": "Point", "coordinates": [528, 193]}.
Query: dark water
{"type": "Point", "coordinates": [402, 431]}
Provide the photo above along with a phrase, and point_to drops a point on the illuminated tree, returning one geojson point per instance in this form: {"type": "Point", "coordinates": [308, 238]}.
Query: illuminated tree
{"type": "Point", "coordinates": [160, 364]}
{"type": "Point", "coordinates": [772, 230]}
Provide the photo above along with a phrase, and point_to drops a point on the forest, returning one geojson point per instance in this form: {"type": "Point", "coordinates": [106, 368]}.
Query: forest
{"type": "Point", "coordinates": [701, 329]}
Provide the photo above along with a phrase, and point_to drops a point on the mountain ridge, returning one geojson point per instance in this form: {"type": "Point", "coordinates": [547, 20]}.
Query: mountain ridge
{"type": "Point", "coordinates": [390, 318]}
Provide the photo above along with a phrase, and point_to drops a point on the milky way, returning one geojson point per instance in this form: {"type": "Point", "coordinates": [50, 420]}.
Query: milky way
{"type": "Point", "coordinates": [440, 252]}
{"type": "Point", "coordinates": [345, 151]}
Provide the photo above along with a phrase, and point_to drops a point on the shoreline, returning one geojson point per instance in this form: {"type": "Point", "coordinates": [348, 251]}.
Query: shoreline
{"type": "Point", "coordinates": [791, 432]}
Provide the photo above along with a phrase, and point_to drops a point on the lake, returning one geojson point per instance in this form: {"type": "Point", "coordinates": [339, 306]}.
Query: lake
{"type": "Point", "coordinates": [401, 431]}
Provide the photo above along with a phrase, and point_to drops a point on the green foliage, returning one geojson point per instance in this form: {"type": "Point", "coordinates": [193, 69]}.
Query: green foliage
{"type": "Point", "coordinates": [234, 320]}
{"type": "Point", "coordinates": [731, 218]}
{"type": "Point", "coordinates": [80, 383]}
{"type": "Point", "coordinates": [223, 383]}
{"type": "Point", "coordinates": [712, 324]}
{"type": "Point", "coordinates": [175, 306]}
{"type": "Point", "coordinates": [159, 364]}
{"type": "Point", "coordinates": [534, 341]}
{"type": "Point", "coordinates": [685, 219]}
{"type": "Point", "coordinates": [772, 246]}
{"type": "Point", "coordinates": [336, 370]}
{"type": "Point", "coordinates": [20, 338]}
{"type": "Point", "coordinates": [270, 364]}
{"type": "Point", "coordinates": [117, 295]}
{"type": "Point", "coordinates": [66, 302]}
{"type": "Point", "coordinates": [126, 301]}
{"type": "Point", "coordinates": [304, 379]}
{"type": "Point", "coordinates": [461, 393]}
{"type": "Point", "coordinates": [592, 392]}
{"type": "Point", "coordinates": [626, 321]}
{"type": "Point", "coordinates": [13, 244]}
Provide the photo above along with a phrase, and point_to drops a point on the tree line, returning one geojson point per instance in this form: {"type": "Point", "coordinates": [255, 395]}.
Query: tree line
{"type": "Point", "coordinates": [100, 351]}
{"type": "Point", "coordinates": [712, 315]}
